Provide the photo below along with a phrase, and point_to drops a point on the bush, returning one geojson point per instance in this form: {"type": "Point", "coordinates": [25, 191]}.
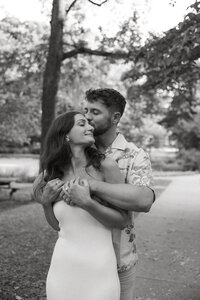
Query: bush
{"type": "Point", "coordinates": [165, 165]}
{"type": "Point", "coordinates": [189, 159]}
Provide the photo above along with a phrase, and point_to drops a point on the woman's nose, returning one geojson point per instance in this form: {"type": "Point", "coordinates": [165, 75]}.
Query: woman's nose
{"type": "Point", "coordinates": [90, 127]}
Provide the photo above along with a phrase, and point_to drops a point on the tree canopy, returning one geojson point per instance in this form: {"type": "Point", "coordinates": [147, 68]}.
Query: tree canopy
{"type": "Point", "coordinates": [162, 76]}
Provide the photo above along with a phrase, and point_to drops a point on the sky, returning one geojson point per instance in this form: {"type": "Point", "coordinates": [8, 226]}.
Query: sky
{"type": "Point", "coordinates": [160, 16]}
{"type": "Point", "coordinates": [163, 16]}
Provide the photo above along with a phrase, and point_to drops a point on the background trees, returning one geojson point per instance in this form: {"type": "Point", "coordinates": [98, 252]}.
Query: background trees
{"type": "Point", "coordinates": [166, 76]}
{"type": "Point", "coordinates": [23, 48]}
{"type": "Point", "coordinates": [160, 73]}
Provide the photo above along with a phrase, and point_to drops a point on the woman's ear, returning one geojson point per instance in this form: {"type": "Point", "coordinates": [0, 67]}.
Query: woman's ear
{"type": "Point", "coordinates": [116, 117]}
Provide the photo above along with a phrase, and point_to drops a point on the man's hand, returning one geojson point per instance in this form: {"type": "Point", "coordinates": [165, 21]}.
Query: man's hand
{"type": "Point", "coordinates": [52, 191]}
{"type": "Point", "coordinates": [92, 184]}
{"type": "Point", "coordinates": [79, 193]}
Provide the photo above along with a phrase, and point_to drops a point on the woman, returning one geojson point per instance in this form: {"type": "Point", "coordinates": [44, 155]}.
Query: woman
{"type": "Point", "coordinates": [83, 265]}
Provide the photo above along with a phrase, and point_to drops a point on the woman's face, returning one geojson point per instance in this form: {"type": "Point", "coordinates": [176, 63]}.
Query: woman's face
{"type": "Point", "coordinates": [82, 132]}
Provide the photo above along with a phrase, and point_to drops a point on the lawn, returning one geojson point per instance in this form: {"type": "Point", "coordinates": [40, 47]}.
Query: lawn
{"type": "Point", "coordinates": [25, 250]}
{"type": "Point", "coordinates": [26, 247]}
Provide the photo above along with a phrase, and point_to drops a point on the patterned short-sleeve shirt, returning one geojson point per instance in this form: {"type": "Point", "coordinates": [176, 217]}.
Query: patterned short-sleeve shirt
{"type": "Point", "coordinates": [135, 165]}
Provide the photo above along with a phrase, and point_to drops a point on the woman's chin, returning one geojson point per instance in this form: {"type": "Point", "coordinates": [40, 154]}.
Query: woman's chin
{"type": "Point", "coordinates": [91, 142]}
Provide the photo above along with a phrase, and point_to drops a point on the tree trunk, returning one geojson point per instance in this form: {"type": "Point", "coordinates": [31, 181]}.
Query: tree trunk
{"type": "Point", "coordinates": [52, 71]}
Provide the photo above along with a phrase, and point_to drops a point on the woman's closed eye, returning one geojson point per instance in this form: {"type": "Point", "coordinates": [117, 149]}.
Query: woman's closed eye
{"type": "Point", "coordinates": [81, 123]}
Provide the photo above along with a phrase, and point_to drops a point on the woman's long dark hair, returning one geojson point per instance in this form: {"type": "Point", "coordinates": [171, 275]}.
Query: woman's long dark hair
{"type": "Point", "coordinates": [57, 155]}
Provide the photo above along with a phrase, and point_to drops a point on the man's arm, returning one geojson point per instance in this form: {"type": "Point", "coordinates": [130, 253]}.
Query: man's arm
{"type": "Point", "coordinates": [137, 194]}
{"type": "Point", "coordinates": [111, 217]}
{"type": "Point", "coordinates": [126, 196]}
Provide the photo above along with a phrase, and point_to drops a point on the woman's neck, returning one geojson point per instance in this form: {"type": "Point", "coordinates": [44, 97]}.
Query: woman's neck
{"type": "Point", "coordinates": [79, 159]}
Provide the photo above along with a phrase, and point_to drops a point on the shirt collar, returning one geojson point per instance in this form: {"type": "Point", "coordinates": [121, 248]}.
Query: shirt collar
{"type": "Point", "coordinates": [119, 143]}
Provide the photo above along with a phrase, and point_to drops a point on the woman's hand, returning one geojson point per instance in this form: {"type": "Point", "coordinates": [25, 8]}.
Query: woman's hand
{"type": "Point", "coordinates": [51, 192]}
{"type": "Point", "coordinates": [65, 192]}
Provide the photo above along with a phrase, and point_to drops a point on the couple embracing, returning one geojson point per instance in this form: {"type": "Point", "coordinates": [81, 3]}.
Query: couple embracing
{"type": "Point", "coordinates": [93, 181]}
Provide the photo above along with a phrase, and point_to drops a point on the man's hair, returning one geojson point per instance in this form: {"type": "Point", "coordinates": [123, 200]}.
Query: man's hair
{"type": "Point", "coordinates": [111, 98]}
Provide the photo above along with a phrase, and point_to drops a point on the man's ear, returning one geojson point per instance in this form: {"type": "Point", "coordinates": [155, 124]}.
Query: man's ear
{"type": "Point", "coordinates": [116, 117]}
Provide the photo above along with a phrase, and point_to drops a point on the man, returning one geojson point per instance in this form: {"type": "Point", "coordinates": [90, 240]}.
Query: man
{"type": "Point", "coordinates": [103, 109]}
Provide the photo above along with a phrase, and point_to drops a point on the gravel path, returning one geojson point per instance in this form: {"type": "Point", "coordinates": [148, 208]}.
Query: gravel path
{"type": "Point", "coordinates": [169, 244]}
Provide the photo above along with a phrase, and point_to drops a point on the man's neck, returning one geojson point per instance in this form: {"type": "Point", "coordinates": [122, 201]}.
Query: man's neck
{"type": "Point", "coordinates": [105, 140]}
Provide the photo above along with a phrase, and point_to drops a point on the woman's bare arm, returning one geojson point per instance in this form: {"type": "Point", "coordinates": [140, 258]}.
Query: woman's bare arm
{"type": "Point", "coordinates": [50, 217]}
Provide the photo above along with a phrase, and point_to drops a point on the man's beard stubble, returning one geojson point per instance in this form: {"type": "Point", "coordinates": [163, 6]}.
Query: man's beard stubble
{"type": "Point", "coordinates": [103, 129]}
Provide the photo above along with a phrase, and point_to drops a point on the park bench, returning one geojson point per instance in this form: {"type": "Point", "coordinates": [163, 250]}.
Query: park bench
{"type": "Point", "coordinates": [12, 184]}
{"type": "Point", "coordinates": [6, 181]}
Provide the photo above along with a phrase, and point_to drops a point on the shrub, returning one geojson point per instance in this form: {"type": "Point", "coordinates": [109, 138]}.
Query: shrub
{"type": "Point", "coordinates": [189, 159]}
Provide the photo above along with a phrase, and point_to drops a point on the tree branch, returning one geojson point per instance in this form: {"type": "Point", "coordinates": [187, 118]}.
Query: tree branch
{"type": "Point", "coordinates": [83, 50]}
{"type": "Point", "coordinates": [70, 7]}
{"type": "Point", "coordinates": [98, 4]}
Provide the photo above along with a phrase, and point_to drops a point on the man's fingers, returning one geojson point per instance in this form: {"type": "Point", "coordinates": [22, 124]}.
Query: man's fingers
{"type": "Point", "coordinates": [58, 183]}
{"type": "Point", "coordinates": [55, 183]}
{"type": "Point", "coordinates": [77, 180]}
{"type": "Point", "coordinates": [66, 187]}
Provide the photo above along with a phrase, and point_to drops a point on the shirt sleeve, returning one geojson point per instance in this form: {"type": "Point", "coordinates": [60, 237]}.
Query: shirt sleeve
{"type": "Point", "coordinates": [38, 186]}
{"type": "Point", "coordinates": [140, 171]}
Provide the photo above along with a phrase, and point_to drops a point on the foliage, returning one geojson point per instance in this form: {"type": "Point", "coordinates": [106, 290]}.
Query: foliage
{"type": "Point", "coordinates": [22, 60]}
{"type": "Point", "coordinates": [162, 79]}
{"type": "Point", "coordinates": [165, 76]}
{"type": "Point", "coordinates": [64, 44]}
{"type": "Point", "coordinates": [23, 47]}
{"type": "Point", "coordinates": [189, 159]}
{"type": "Point", "coordinates": [166, 165]}
{"type": "Point", "coordinates": [187, 132]}
{"type": "Point", "coordinates": [169, 62]}
{"type": "Point", "coordinates": [78, 75]}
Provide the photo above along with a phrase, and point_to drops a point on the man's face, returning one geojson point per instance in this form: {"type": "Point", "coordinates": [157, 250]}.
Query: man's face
{"type": "Point", "coordinates": [98, 116]}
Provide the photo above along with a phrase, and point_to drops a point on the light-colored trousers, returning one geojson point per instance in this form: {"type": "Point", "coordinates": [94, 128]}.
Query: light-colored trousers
{"type": "Point", "coordinates": [127, 282]}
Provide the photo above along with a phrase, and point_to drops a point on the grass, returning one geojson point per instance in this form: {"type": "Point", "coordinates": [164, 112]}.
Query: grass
{"type": "Point", "coordinates": [25, 249]}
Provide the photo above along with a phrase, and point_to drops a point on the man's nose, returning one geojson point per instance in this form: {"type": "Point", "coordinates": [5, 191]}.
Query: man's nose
{"type": "Point", "coordinates": [88, 116]}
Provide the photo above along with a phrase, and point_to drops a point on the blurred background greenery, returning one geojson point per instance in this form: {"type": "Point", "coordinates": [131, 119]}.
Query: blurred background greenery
{"type": "Point", "coordinates": [46, 67]}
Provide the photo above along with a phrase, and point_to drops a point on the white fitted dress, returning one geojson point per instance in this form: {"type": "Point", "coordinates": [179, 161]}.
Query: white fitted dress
{"type": "Point", "coordinates": [83, 264]}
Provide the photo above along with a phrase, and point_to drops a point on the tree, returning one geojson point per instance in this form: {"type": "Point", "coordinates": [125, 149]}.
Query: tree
{"type": "Point", "coordinates": [52, 70]}
{"type": "Point", "coordinates": [23, 56]}
{"type": "Point", "coordinates": [169, 65]}
{"type": "Point", "coordinates": [170, 61]}
{"type": "Point", "coordinates": [57, 55]}
{"type": "Point", "coordinates": [21, 64]}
